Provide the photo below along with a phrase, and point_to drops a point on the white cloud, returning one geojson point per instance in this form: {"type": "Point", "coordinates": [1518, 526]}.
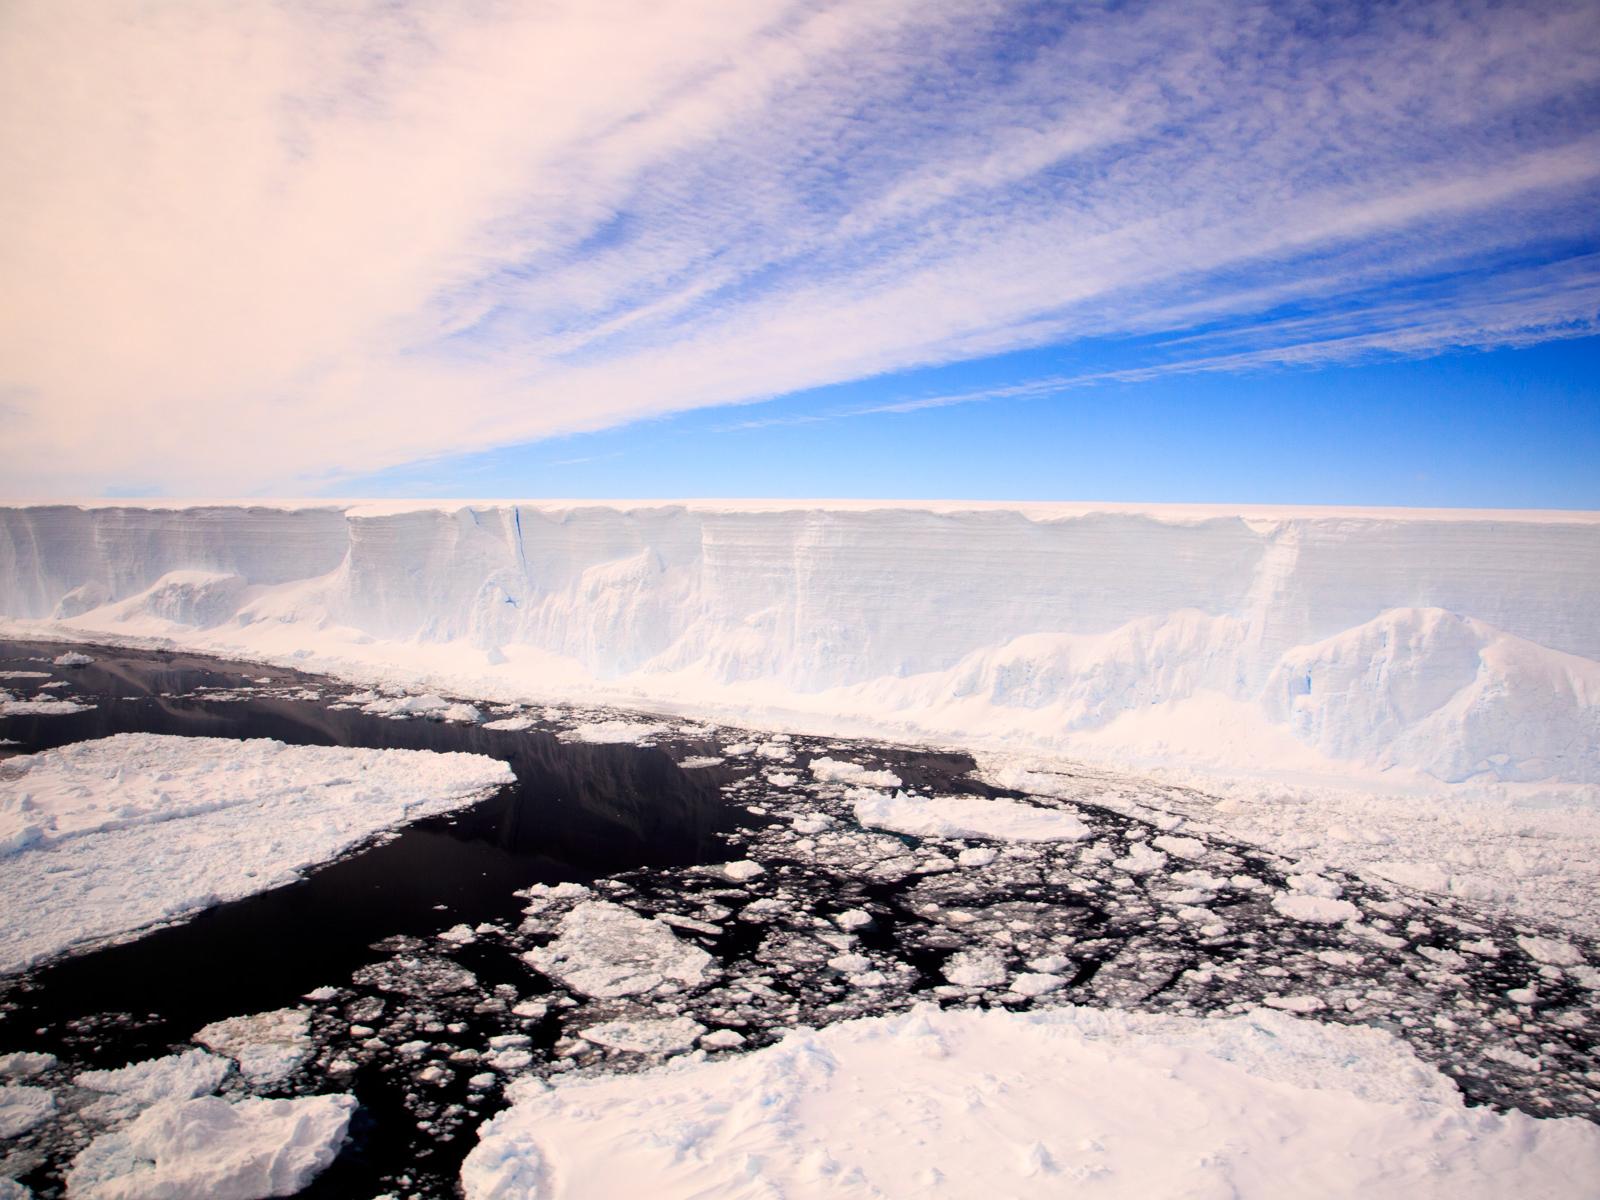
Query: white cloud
{"type": "Point", "coordinates": [256, 246]}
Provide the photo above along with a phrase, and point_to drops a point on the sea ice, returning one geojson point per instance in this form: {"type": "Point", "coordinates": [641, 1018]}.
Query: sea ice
{"type": "Point", "coordinates": [23, 1106]}
{"type": "Point", "coordinates": [105, 837]}
{"type": "Point", "coordinates": [607, 951]}
{"type": "Point", "coordinates": [658, 1036]}
{"type": "Point", "coordinates": [1035, 1104]}
{"type": "Point", "coordinates": [967, 817]}
{"type": "Point", "coordinates": [269, 1046]}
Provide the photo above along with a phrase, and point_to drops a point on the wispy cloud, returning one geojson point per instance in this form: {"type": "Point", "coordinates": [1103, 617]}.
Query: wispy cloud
{"type": "Point", "coordinates": [247, 244]}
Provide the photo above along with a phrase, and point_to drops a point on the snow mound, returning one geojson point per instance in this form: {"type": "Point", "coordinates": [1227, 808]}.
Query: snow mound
{"type": "Point", "coordinates": [606, 951]}
{"type": "Point", "coordinates": [102, 838]}
{"type": "Point", "coordinates": [209, 1149]}
{"type": "Point", "coordinates": [979, 1104]}
{"type": "Point", "coordinates": [967, 817]}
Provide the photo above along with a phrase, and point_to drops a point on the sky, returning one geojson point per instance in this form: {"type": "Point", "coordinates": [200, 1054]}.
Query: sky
{"type": "Point", "coordinates": [1201, 251]}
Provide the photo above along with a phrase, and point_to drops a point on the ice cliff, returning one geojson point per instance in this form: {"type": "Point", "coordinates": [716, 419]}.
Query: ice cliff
{"type": "Point", "coordinates": [1462, 645]}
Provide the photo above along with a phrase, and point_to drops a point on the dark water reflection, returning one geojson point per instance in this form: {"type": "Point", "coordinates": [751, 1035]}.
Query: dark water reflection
{"type": "Point", "coordinates": [577, 812]}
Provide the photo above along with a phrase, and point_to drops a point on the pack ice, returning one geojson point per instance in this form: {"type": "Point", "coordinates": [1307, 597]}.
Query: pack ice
{"type": "Point", "coordinates": [1456, 644]}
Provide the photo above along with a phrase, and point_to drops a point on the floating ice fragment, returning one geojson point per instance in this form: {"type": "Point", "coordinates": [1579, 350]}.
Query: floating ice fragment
{"type": "Point", "coordinates": [1550, 950]}
{"type": "Point", "coordinates": [606, 951]}
{"type": "Point", "coordinates": [655, 1036]}
{"type": "Point", "coordinates": [208, 1149]}
{"type": "Point", "coordinates": [967, 817]}
{"type": "Point", "coordinates": [269, 1046]}
{"type": "Point", "coordinates": [22, 1107]}
{"type": "Point", "coordinates": [1316, 910]}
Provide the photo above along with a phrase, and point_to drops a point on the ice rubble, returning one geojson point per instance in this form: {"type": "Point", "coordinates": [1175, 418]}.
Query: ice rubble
{"type": "Point", "coordinates": [1457, 644]}
{"type": "Point", "coordinates": [1257, 1106]}
{"type": "Point", "coordinates": [104, 837]}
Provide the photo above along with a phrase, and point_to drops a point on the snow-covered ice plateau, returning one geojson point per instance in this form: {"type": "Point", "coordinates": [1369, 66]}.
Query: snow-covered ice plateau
{"type": "Point", "coordinates": [931, 1103]}
{"type": "Point", "coordinates": [1435, 645]}
{"type": "Point", "coordinates": [102, 838]}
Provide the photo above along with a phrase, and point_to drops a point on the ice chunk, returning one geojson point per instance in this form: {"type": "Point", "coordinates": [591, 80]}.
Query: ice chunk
{"type": "Point", "coordinates": [656, 1036]}
{"type": "Point", "coordinates": [510, 724]}
{"type": "Point", "coordinates": [613, 732]}
{"type": "Point", "coordinates": [173, 1077]}
{"type": "Point", "coordinates": [209, 1149]}
{"type": "Point", "coordinates": [72, 658]}
{"type": "Point", "coordinates": [1551, 950]}
{"type": "Point", "coordinates": [1031, 983]}
{"type": "Point", "coordinates": [976, 969]}
{"type": "Point", "coordinates": [1140, 860]}
{"type": "Point", "coordinates": [269, 1046]}
{"type": "Point", "coordinates": [604, 950]}
{"type": "Point", "coordinates": [967, 817]}
{"type": "Point", "coordinates": [22, 1107]}
{"type": "Point", "coordinates": [832, 770]}
{"type": "Point", "coordinates": [25, 1064]}
{"type": "Point", "coordinates": [1180, 847]}
{"type": "Point", "coordinates": [741, 871]}
{"type": "Point", "coordinates": [1316, 910]}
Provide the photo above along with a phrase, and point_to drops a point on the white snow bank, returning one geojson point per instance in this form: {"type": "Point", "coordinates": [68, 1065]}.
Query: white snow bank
{"type": "Point", "coordinates": [209, 1149]}
{"type": "Point", "coordinates": [983, 1104]}
{"type": "Point", "coordinates": [109, 836]}
{"type": "Point", "coordinates": [1459, 644]}
{"type": "Point", "coordinates": [967, 817]}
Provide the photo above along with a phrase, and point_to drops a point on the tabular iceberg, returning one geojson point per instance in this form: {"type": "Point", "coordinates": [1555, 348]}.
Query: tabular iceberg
{"type": "Point", "coordinates": [1463, 645]}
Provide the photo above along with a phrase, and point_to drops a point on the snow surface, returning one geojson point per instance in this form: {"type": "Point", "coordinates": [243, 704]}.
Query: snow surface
{"type": "Point", "coordinates": [1431, 645]}
{"type": "Point", "coordinates": [210, 1149]}
{"type": "Point", "coordinates": [101, 838]}
{"type": "Point", "coordinates": [949, 1104]}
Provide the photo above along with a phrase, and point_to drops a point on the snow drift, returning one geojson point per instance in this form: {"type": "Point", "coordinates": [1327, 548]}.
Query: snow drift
{"type": "Point", "coordinates": [1459, 644]}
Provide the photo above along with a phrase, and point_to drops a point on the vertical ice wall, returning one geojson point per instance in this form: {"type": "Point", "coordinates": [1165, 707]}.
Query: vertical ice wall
{"type": "Point", "coordinates": [1365, 634]}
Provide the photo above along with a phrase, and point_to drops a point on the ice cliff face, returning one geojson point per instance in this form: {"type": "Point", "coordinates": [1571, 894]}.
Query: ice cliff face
{"type": "Point", "coordinates": [1462, 645]}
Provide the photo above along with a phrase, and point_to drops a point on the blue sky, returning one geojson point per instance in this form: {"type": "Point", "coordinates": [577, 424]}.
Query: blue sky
{"type": "Point", "coordinates": [1507, 428]}
{"type": "Point", "coordinates": [1143, 250]}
